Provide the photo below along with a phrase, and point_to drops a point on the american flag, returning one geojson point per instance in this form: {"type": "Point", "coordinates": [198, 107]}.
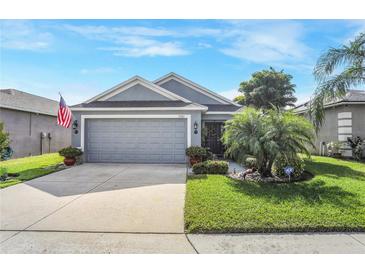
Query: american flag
{"type": "Point", "coordinates": [64, 116]}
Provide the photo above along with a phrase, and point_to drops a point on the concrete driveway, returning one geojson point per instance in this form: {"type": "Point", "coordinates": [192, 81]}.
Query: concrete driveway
{"type": "Point", "coordinates": [122, 198]}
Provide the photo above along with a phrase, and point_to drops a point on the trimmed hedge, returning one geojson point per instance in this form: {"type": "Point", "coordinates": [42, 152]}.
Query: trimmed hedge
{"type": "Point", "coordinates": [211, 167]}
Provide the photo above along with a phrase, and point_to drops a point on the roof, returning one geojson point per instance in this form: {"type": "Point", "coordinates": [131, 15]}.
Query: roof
{"type": "Point", "coordinates": [351, 97]}
{"type": "Point", "coordinates": [138, 105]}
{"type": "Point", "coordinates": [111, 104]}
{"type": "Point", "coordinates": [134, 81]}
{"type": "Point", "coordinates": [195, 86]}
{"type": "Point", "coordinates": [23, 101]}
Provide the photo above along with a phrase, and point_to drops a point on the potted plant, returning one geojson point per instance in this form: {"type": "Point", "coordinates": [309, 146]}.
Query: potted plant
{"type": "Point", "coordinates": [334, 149]}
{"type": "Point", "coordinates": [70, 154]}
{"type": "Point", "coordinates": [196, 154]}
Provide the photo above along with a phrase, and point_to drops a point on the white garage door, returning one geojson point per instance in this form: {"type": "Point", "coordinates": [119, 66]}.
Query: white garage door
{"type": "Point", "coordinates": [135, 140]}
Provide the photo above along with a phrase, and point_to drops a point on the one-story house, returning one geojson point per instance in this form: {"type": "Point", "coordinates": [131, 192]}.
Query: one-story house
{"type": "Point", "coordinates": [344, 117]}
{"type": "Point", "coordinates": [31, 122]}
{"type": "Point", "coordinates": [141, 121]}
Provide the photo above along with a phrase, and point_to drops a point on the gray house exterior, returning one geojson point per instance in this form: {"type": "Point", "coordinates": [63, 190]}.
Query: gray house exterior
{"type": "Point", "coordinates": [140, 121]}
{"type": "Point", "coordinates": [344, 118]}
{"type": "Point", "coordinates": [26, 117]}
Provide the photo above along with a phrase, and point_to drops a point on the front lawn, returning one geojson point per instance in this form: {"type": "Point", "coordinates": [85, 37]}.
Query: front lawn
{"type": "Point", "coordinates": [334, 200]}
{"type": "Point", "coordinates": [30, 167]}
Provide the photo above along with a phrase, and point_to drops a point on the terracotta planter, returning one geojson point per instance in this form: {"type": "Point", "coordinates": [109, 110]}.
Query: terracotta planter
{"type": "Point", "coordinates": [69, 161]}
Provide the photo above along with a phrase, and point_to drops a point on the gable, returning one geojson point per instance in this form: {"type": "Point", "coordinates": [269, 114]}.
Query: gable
{"type": "Point", "coordinates": [138, 93]}
{"type": "Point", "coordinates": [144, 88]}
{"type": "Point", "coordinates": [188, 92]}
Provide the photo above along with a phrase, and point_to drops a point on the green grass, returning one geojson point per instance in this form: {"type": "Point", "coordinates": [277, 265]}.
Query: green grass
{"type": "Point", "coordinates": [30, 167]}
{"type": "Point", "coordinates": [334, 200]}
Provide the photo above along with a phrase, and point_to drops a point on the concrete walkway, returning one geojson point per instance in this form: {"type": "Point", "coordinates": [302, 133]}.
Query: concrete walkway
{"type": "Point", "coordinates": [147, 243]}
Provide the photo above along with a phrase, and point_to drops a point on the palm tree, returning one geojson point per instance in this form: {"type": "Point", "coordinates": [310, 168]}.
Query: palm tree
{"type": "Point", "coordinates": [351, 60]}
{"type": "Point", "coordinates": [266, 136]}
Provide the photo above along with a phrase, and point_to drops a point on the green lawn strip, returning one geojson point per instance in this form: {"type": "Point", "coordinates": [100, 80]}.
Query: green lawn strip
{"type": "Point", "coordinates": [30, 167]}
{"type": "Point", "coordinates": [334, 200]}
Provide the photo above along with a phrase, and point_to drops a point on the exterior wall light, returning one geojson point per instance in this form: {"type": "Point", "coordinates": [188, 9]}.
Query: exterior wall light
{"type": "Point", "coordinates": [75, 125]}
{"type": "Point", "coordinates": [195, 127]}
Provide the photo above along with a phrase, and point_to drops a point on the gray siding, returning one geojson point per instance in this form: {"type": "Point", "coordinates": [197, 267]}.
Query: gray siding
{"type": "Point", "coordinates": [216, 117]}
{"type": "Point", "coordinates": [138, 93]}
{"type": "Point", "coordinates": [25, 128]}
{"type": "Point", "coordinates": [329, 130]}
{"type": "Point", "coordinates": [195, 117]}
{"type": "Point", "coordinates": [358, 120]}
{"type": "Point", "coordinates": [188, 93]}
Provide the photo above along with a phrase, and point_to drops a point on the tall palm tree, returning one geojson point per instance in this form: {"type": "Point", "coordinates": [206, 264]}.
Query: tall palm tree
{"type": "Point", "coordinates": [350, 60]}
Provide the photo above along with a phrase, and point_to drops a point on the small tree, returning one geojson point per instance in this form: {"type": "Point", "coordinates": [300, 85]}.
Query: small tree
{"type": "Point", "coordinates": [4, 140]}
{"type": "Point", "coordinates": [269, 88]}
{"type": "Point", "coordinates": [240, 99]}
{"type": "Point", "coordinates": [267, 136]}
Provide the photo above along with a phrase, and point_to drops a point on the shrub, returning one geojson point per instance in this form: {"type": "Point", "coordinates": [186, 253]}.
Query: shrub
{"type": "Point", "coordinates": [281, 162]}
{"type": "Point", "coordinates": [4, 141]}
{"type": "Point", "coordinates": [3, 173]}
{"type": "Point", "coordinates": [211, 167]}
{"type": "Point", "coordinates": [70, 152]}
{"type": "Point", "coordinates": [196, 151]}
{"type": "Point", "coordinates": [356, 146]}
{"type": "Point", "coordinates": [200, 168]}
{"type": "Point", "coordinates": [251, 162]}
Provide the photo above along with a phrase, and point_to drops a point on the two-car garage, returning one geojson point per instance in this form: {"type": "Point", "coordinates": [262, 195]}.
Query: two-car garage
{"type": "Point", "coordinates": [135, 140]}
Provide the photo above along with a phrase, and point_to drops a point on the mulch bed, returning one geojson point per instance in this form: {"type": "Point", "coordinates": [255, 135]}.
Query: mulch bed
{"type": "Point", "coordinates": [256, 177]}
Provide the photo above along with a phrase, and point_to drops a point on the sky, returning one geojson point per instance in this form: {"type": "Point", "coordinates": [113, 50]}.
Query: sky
{"type": "Point", "coordinates": [81, 58]}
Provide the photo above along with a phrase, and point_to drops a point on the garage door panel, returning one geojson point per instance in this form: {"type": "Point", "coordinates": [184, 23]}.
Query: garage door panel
{"type": "Point", "coordinates": [136, 140]}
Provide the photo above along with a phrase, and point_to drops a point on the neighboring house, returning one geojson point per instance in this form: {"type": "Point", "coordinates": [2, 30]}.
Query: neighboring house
{"type": "Point", "coordinates": [32, 123]}
{"type": "Point", "coordinates": [344, 118]}
{"type": "Point", "coordinates": [150, 122]}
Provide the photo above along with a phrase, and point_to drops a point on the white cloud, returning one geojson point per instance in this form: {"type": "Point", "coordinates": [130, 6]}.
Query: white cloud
{"type": "Point", "coordinates": [204, 45]}
{"type": "Point", "coordinates": [267, 43]}
{"type": "Point", "coordinates": [263, 42]}
{"type": "Point", "coordinates": [132, 41]}
{"type": "Point", "coordinates": [230, 94]}
{"type": "Point", "coordinates": [22, 35]}
{"type": "Point", "coordinates": [103, 32]}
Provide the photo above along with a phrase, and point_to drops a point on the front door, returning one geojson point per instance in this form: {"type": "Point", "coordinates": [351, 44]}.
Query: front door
{"type": "Point", "coordinates": [213, 137]}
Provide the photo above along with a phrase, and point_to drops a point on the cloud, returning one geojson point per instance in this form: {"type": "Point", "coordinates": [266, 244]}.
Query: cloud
{"type": "Point", "coordinates": [230, 94]}
{"type": "Point", "coordinates": [103, 32]}
{"type": "Point", "coordinates": [23, 35]}
{"type": "Point", "coordinates": [263, 42]}
{"type": "Point", "coordinates": [132, 41]}
{"type": "Point", "coordinates": [267, 43]}
{"type": "Point", "coordinates": [204, 45]}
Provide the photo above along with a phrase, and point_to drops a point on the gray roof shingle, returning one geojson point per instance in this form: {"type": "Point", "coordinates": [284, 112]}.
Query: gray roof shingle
{"type": "Point", "coordinates": [19, 100]}
{"type": "Point", "coordinates": [122, 104]}
{"type": "Point", "coordinates": [352, 96]}
{"type": "Point", "coordinates": [128, 104]}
